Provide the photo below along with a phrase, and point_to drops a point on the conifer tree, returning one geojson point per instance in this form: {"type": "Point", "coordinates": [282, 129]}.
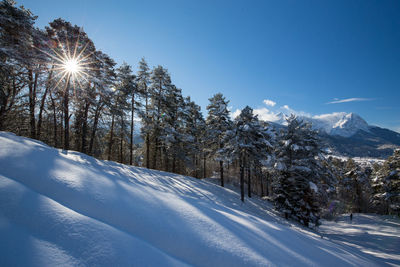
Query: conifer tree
{"type": "Point", "coordinates": [143, 81]}
{"type": "Point", "coordinates": [386, 185]}
{"type": "Point", "coordinates": [249, 145]}
{"type": "Point", "coordinates": [296, 188]}
{"type": "Point", "coordinates": [160, 81]}
{"type": "Point", "coordinates": [16, 29]}
{"type": "Point", "coordinates": [218, 124]}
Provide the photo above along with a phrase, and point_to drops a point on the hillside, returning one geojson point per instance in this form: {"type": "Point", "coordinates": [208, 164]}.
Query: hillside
{"type": "Point", "coordinates": [64, 207]}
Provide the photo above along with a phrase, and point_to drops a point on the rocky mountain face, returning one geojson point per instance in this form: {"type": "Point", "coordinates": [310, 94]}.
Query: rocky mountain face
{"type": "Point", "coordinates": [348, 134]}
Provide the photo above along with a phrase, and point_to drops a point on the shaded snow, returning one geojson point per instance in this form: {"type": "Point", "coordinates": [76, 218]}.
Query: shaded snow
{"type": "Point", "coordinates": [63, 207]}
{"type": "Point", "coordinates": [375, 235]}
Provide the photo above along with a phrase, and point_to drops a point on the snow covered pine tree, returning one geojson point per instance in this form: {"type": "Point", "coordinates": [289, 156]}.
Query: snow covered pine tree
{"type": "Point", "coordinates": [295, 189]}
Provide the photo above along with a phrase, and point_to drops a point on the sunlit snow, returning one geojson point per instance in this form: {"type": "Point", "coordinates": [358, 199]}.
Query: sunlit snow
{"type": "Point", "coordinates": [66, 208]}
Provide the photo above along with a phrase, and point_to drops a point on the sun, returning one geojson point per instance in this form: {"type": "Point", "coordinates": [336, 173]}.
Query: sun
{"type": "Point", "coordinates": [71, 66]}
{"type": "Point", "coordinates": [70, 63]}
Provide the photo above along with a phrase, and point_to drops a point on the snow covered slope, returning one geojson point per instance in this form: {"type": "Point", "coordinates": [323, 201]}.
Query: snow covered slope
{"type": "Point", "coordinates": [372, 234]}
{"type": "Point", "coordinates": [63, 207]}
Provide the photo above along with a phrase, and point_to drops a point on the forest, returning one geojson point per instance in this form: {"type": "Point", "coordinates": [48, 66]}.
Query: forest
{"type": "Point", "coordinates": [57, 87]}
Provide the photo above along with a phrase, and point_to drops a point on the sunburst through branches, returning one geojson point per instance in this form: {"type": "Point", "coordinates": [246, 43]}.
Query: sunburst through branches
{"type": "Point", "coordinates": [71, 64]}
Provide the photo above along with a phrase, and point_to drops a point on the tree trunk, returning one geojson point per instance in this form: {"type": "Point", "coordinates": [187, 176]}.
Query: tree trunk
{"type": "Point", "coordinates": [147, 133]}
{"type": "Point", "coordinates": [121, 141]}
{"type": "Point", "coordinates": [42, 102]}
{"type": "Point", "coordinates": [249, 181]}
{"type": "Point", "coordinates": [111, 138]}
{"type": "Point", "coordinates": [32, 84]}
{"type": "Point", "coordinates": [261, 185]}
{"type": "Point", "coordinates": [174, 164]}
{"type": "Point", "coordinates": [221, 170]}
{"type": "Point", "coordinates": [204, 166]}
{"type": "Point", "coordinates": [53, 104]}
{"type": "Point", "coordinates": [242, 178]}
{"type": "Point", "coordinates": [132, 129]}
{"type": "Point", "coordinates": [84, 127]}
{"type": "Point", "coordinates": [154, 165]}
{"type": "Point", "coordinates": [66, 116]}
{"type": "Point", "coordinates": [94, 129]}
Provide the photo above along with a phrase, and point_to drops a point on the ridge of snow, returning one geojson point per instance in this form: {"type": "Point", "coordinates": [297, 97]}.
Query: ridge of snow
{"type": "Point", "coordinates": [64, 207]}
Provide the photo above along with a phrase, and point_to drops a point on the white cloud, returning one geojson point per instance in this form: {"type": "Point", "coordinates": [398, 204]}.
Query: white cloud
{"type": "Point", "coordinates": [288, 111]}
{"type": "Point", "coordinates": [235, 113]}
{"type": "Point", "coordinates": [269, 102]}
{"type": "Point", "coordinates": [266, 114]}
{"type": "Point", "coordinates": [346, 100]}
{"type": "Point", "coordinates": [330, 116]}
{"type": "Point", "coordinates": [275, 115]}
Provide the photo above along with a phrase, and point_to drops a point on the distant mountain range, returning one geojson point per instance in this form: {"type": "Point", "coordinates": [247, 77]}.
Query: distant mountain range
{"type": "Point", "coordinates": [350, 135]}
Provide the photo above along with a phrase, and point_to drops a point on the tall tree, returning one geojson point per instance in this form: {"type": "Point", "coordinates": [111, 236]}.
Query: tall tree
{"type": "Point", "coordinates": [16, 28]}
{"type": "Point", "coordinates": [71, 41]}
{"type": "Point", "coordinates": [386, 185]}
{"type": "Point", "coordinates": [143, 81]}
{"type": "Point", "coordinates": [160, 80]}
{"type": "Point", "coordinates": [126, 82]}
{"type": "Point", "coordinates": [218, 124]}
{"type": "Point", "coordinates": [249, 145]}
{"type": "Point", "coordinates": [296, 189]}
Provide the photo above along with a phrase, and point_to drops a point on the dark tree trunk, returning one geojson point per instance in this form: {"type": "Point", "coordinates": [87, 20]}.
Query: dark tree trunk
{"type": "Point", "coordinates": [242, 178]}
{"type": "Point", "coordinates": [110, 143]}
{"type": "Point", "coordinates": [248, 181]}
{"type": "Point", "coordinates": [174, 164]}
{"type": "Point", "coordinates": [221, 170]}
{"type": "Point", "coordinates": [261, 184]}
{"type": "Point", "coordinates": [42, 103]}
{"type": "Point", "coordinates": [95, 123]}
{"type": "Point", "coordinates": [32, 84]}
{"type": "Point", "coordinates": [53, 104]}
{"type": "Point", "coordinates": [196, 164]}
{"type": "Point", "coordinates": [204, 166]}
{"type": "Point", "coordinates": [132, 129]}
{"type": "Point", "coordinates": [154, 163]}
{"type": "Point", "coordinates": [121, 141]}
{"type": "Point", "coordinates": [147, 151]}
{"type": "Point", "coordinates": [66, 116]}
{"type": "Point", "coordinates": [84, 127]}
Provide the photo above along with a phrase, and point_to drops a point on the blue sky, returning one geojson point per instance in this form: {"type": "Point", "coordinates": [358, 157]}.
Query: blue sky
{"type": "Point", "coordinates": [309, 57]}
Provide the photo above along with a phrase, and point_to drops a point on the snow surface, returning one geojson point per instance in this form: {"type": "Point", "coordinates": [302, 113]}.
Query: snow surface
{"type": "Point", "coordinates": [375, 235]}
{"type": "Point", "coordinates": [66, 208]}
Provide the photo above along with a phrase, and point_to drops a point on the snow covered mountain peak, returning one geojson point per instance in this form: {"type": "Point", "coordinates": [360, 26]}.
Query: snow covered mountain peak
{"type": "Point", "coordinates": [348, 125]}
{"type": "Point", "coordinates": [337, 123]}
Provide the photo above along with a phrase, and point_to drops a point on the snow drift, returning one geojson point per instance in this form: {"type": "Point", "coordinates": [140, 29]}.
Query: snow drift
{"type": "Point", "coordinates": [64, 207]}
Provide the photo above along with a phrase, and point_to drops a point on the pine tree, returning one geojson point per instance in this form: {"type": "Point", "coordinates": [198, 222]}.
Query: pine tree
{"type": "Point", "coordinates": [218, 124]}
{"type": "Point", "coordinates": [143, 81]}
{"type": "Point", "coordinates": [194, 129]}
{"type": "Point", "coordinates": [296, 189]}
{"type": "Point", "coordinates": [126, 82]}
{"type": "Point", "coordinates": [160, 81]}
{"type": "Point", "coordinates": [16, 30]}
{"type": "Point", "coordinates": [249, 145]}
{"type": "Point", "coordinates": [386, 185]}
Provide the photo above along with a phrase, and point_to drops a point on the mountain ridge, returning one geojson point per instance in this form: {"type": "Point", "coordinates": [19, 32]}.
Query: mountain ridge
{"type": "Point", "coordinates": [348, 134]}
